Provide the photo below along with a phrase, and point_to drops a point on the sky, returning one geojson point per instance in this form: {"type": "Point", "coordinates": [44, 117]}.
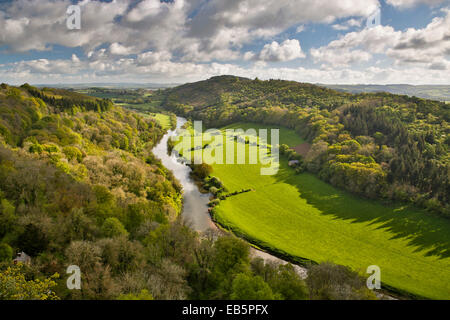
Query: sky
{"type": "Point", "coordinates": [177, 41]}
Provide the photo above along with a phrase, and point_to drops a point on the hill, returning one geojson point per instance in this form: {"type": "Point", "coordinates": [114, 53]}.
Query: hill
{"type": "Point", "coordinates": [77, 182]}
{"type": "Point", "coordinates": [376, 145]}
{"type": "Point", "coordinates": [435, 92]}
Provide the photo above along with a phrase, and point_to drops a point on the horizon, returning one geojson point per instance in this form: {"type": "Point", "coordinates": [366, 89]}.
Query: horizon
{"type": "Point", "coordinates": [205, 79]}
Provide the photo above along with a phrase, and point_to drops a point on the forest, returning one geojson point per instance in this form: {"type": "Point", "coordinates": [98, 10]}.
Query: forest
{"type": "Point", "coordinates": [80, 186]}
{"type": "Point", "coordinates": [376, 145]}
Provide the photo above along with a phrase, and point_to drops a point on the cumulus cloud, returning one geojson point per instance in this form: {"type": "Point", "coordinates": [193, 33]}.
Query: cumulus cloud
{"type": "Point", "coordinates": [202, 31]}
{"type": "Point", "coordinates": [429, 45]}
{"type": "Point", "coordinates": [286, 51]}
{"type": "Point", "coordinates": [188, 40]}
{"type": "Point", "coordinates": [340, 58]}
{"type": "Point", "coordinates": [356, 46]}
{"type": "Point", "coordinates": [120, 50]}
{"type": "Point", "coordinates": [51, 71]}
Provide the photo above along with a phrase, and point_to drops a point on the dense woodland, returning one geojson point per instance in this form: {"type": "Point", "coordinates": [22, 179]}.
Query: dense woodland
{"type": "Point", "coordinates": [377, 145]}
{"type": "Point", "coordinates": [80, 186]}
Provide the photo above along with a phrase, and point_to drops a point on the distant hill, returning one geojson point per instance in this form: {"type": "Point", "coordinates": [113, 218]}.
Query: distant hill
{"type": "Point", "coordinates": [245, 92]}
{"type": "Point", "coordinates": [110, 85]}
{"type": "Point", "coordinates": [434, 92]}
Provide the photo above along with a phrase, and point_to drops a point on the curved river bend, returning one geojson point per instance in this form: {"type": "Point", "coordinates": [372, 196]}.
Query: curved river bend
{"type": "Point", "coordinates": [195, 207]}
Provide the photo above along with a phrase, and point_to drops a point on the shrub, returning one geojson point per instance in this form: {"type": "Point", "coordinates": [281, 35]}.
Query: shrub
{"type": "Point", "coordinates": [214, 203]}
{"type": "Point", "coordinates": [213, 190]}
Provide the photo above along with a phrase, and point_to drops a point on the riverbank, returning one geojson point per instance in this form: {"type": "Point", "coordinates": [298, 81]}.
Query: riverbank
{"type": "Point", "coordinates": [195, 209]}
{"type": "Point", "coordinates": [195, 205]}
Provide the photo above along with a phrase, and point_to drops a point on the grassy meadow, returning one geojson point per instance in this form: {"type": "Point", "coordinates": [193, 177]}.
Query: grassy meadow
{"type": "Point", "coordinates": [162, 119]}
{"type": "Point", "coordinates": [299, 215]}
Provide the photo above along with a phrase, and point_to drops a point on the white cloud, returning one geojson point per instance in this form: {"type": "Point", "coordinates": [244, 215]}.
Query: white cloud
{"type": "Point", "coordinates": [355, 46]}
{"type": "Point", "coordinates": [286, 51]}
{"type": "Point", "coordinates": [347, 24]}
{"type": "Point", "coordinates": [51, 71]}
{"type": "Point", "coordinates": [199, 30]}
{"type": "Point", "coordinates": [120, 50]}
{"type": "Point", "coordinates": [429, 46]}
{"type": "Point", "coordinates": [188, 40]}
{"type": "Point", "coordinates": [412, 3]}
{"type": "Point", "coordinates": [340, 57]}
{"type": "Point", "coordinates": [300, 28]}
{"type": "Point", "coordinates": [149, 58]}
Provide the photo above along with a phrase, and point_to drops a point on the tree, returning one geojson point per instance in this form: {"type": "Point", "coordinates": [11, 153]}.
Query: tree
{"type": "Point", "coordinates": [202, 170]}
{"type": "Point", "coordinates": [14, 286]}
{"type": "Point", "coordinates": [328, 281]}
{"type": "Point", "coordinates": [231, 254]}
{"type": "Point", "coordinates": [247, 287]}
{"type": "Point", "coordinates": [7, 217]}
{"type": "Point", "coordinates": [112, 227]}
{"type": "Point", "coordinates": [288, 284]}
{"type": "Point", "coordinates": [6, 252]}
{"type": "Point", "coordinates": [32, 240]}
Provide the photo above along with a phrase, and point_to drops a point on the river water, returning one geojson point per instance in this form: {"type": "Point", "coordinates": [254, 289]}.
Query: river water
{"type": "Point", "coordinates": [195, 208]}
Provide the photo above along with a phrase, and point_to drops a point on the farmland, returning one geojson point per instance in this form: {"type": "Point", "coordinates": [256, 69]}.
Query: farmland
{"type": "Point", "coordinates": [302, 216]}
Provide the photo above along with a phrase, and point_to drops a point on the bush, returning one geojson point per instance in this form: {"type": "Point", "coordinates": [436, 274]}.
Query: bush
{"type": "Point", "coordinates": [214, 203]}
{"type": "Point", "coordinates": [213, 190]}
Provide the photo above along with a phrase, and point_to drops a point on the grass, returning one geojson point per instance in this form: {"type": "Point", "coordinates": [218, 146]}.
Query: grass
{"type": "Point", "coordinates": [302, 216]}
{"type": "Point", "coordinates": [162, 119]}
{"type": "Point", "coordinates": [287, 136]}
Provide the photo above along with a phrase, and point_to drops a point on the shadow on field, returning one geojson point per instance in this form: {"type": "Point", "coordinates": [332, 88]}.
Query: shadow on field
{"type": "Point", "coordinates": [423, 230]}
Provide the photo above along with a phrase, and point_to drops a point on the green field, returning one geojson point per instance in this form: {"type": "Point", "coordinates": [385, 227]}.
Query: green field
{"type": "Point", "coordinates": [305, 217]}
{"type": "Point", "coordinates": [162, 119]}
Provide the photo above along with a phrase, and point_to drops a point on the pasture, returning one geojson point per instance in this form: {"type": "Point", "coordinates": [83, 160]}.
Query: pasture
{"type": "Point", "coordinates": [301, 216]}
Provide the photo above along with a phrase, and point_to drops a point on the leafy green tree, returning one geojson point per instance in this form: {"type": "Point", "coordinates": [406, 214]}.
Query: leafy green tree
{"type": "Point", "coordinates": [7, 217]}
{"type": "Point", "coordinates": [6, 252]}
{"type": "Point", "coordinates": [14, 286]}
{"type": "Point", "coordinates": [231, 254]}
{"type": "Point", "coordinates": [202, 170]}
{"type": "Point", "coordinates": [288, 284]}
{"type": "Point", "coordinates": [247, 287]}
{"type": "Point", "coordinates": [328, 281]}
{"type": "Point", "coordinates": [112, 227]}
{"type": "Point", "coordinates": [32, 240]}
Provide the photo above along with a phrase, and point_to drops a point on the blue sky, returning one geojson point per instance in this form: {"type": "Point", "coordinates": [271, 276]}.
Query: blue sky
{"type": "Point", "coordinates": [188, 40]}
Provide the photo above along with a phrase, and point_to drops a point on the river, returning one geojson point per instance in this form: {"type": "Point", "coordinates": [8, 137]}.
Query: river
{"type": "Point", "coordinates": [195, 207]}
